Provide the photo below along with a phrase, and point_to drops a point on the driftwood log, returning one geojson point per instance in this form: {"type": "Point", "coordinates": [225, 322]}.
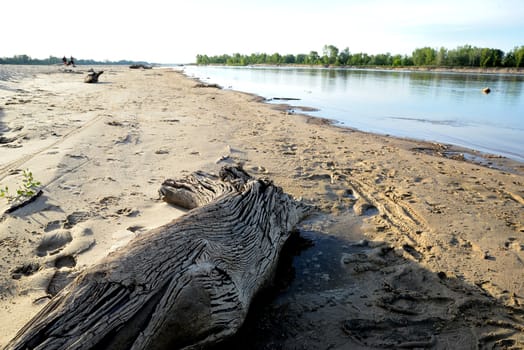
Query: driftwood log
{"type": "Point", "coordinates": [186, 284]}
{"type": "Point", "coordinates": [92, 76]}
{"type": "Point", "coordinates": [140, 66]}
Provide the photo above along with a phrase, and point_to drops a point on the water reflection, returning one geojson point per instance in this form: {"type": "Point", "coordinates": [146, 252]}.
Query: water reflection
{"type": "Point", "coordinates": [443, 107]}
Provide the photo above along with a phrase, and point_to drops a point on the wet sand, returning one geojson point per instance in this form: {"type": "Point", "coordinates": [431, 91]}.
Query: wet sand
{"type": "Point", "coordinates": [412, 246]}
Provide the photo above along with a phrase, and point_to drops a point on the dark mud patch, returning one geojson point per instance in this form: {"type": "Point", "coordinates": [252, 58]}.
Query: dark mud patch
{"type": "Point", "coordinates": [471, 156]}
{"type": "Point", "coordinates": [331, 293]}
{"type": "Point", "coordinates": [310, 262]}
{"type": "Point", "coordinates": [290, 109]}
{"type": "Point", "coordinates": [311, 276]}
{"type": "Point", "coordinates": [293, 109]}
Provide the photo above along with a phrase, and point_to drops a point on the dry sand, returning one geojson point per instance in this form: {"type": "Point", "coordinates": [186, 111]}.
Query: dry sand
{"type": "Point", "coordinates": [411, 246]}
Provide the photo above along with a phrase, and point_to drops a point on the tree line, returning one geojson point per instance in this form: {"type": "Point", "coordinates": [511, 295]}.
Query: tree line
{"type": "Point", "coordinates": [462, 56]}
{"type": "Point", "coordinates": [27, 60]}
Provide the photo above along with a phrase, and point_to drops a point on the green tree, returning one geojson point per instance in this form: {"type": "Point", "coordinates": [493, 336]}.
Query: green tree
{"type": "Point", "coordinates": [474, 56]}
{"type": "Point", "coordinates": [330, 54]}
{"type": "Point", "coordinates": [25, 59]}
{"type": "Point", "coordinates": [442, 57]}
{"type": "Point", "coordinates": [275, 58]}
{"type": "Point", "coordinates": [518, 52]}
{"type": "Point", "coordinates": [485, 57]}
{"type": "Point", "coordinates": [509, 60]}
{"type": "Point", "coordinates": [407, 60]}
{"type": "Point", "coordinates": [459, 56]}
{"type": "Point", "coordinates": [301, 59]}
{"type": "Point", "coordinates": [425, 56]}
{"type": "Point", "coordinates": [289, 59]}
{"type": "Point", "coordinates": [359, 59]}
{"type": "Point", "coordinates": [235, 60]}
{"type": "Point", "coordinates": [497, 57]}
{"type": "Point", "coordinates": [381, 59]}
{"type": "Point", "coordinates": [343, 57]}
{"type": "Point", "coordinates": [491, 58]}
{"type": "Point", "coordinates": [313, 58]}
{"type": "Point", "coordinates": [397, 61]}
{"type": "Point", "coordinates": [466, 55]}
{"type": "Point", "coordinates": [203, 59]}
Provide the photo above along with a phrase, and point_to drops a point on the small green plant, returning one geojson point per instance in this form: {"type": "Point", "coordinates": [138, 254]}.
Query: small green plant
{"type": "Point", "coordinates": [26, 190]}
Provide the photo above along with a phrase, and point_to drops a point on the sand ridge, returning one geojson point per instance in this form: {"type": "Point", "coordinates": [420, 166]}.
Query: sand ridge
{"type": "Point", "coordinates": [411, 246]}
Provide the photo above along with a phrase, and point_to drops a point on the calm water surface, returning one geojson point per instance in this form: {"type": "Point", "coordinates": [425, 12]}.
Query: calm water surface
{"type": "Point", "coordinates": [442, 107]}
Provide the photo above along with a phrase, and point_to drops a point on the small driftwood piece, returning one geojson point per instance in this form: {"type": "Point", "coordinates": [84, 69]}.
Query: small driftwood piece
{"type": "Point", "coordinates": [140, 66]}
{"type": "Point", "coordinates": [92, 76]}
{"type": "Point", "coordinates": [23, 202]}
{"type": "Point", "coordinates": [206, 85]}
{"type": "Point", "coordinates": [183, 285]}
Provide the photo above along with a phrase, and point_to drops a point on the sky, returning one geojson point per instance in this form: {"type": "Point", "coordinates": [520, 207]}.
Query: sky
{"type": "Point", "coordinates": [163, 31]}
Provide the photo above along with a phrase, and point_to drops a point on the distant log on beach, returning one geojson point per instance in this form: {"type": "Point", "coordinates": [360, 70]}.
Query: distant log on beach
{"type": "Point", "coordinates": [140, 66]}
{"type": "Point", "coordinates": [205, 85]}
{"type": "Point", "coordinates": [186, 284]}
{"type": "Point", "coordinates": [92, 76]}
{"type": "Point", "coordinates": [285, 98]}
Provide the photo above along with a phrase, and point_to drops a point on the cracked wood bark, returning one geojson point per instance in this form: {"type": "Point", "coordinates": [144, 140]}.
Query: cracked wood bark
{"type": "Point", "coordinates": [186, 284]}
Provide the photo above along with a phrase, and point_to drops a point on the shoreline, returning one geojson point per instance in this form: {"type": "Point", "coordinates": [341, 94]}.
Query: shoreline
{"type": "Point", "coordinates": [442, 149]}
{"type": "Point", "coordinates": [445, 149]}
{"type": "Point", "coordinates": [462, 138]}
{"type": "Point", "coordinates": [407, 241]}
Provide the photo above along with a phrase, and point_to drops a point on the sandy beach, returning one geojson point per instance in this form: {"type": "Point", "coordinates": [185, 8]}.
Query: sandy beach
{"type": "Point", "coordinates": [411, 245]}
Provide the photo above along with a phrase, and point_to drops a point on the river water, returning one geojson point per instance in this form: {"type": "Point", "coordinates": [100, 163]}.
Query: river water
{"type": "Point", "coordinates": [434, 106]}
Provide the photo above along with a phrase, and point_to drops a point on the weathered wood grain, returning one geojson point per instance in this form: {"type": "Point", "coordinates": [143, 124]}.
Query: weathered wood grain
{"type": "Point", "coordinates": [186, 284]}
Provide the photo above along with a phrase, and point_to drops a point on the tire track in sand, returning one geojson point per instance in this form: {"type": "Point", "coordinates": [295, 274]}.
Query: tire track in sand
{"type": "Point", "coordinates": [4, 169]}
{"type": "Point", "coordinates": [395, 213]}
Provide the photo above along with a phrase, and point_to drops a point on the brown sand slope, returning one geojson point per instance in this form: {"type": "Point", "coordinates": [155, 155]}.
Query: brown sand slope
{"type": "Point", "coordinates": [411, 247]}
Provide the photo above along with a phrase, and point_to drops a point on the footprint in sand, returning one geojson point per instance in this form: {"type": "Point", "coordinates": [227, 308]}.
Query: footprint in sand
{"type": "Point", "coordinates": [62, 247]}
{"type": "Point", "coordinates": [53, 225]}
{"type": "Point", "coordinates": [59, 242]}
{"type": "Point", "coordinates": [363, 208]}
{"type": "Point", "coordinates": [513, 243]}
{"type": "Point", "coordinates": [76, 217]}
{"type": "Point", "coordinates": [128, 139]}
{"type": "Point", "coordinates": [81, 242]}
{"type": "Point", "coordinates": [65, 261]}
{"type": "Point", "coordinates": [59, 280]}
{"type": "Point", "coordinates": [130, 212]}
{"type": "Point", "coordinates": [372, 259]}
{"type": "Point", "coordinates": [53, 242]}
{"type": "Point", "coordinates": [390, 333]}
{"type": "Point", "coordinates": [349, 194]}
{"type": "Point", "coordinates": [26, 269]}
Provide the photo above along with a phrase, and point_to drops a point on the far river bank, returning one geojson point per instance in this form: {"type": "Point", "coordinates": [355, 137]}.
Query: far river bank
{"type": "Point", "coordinates": [440, 69]}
